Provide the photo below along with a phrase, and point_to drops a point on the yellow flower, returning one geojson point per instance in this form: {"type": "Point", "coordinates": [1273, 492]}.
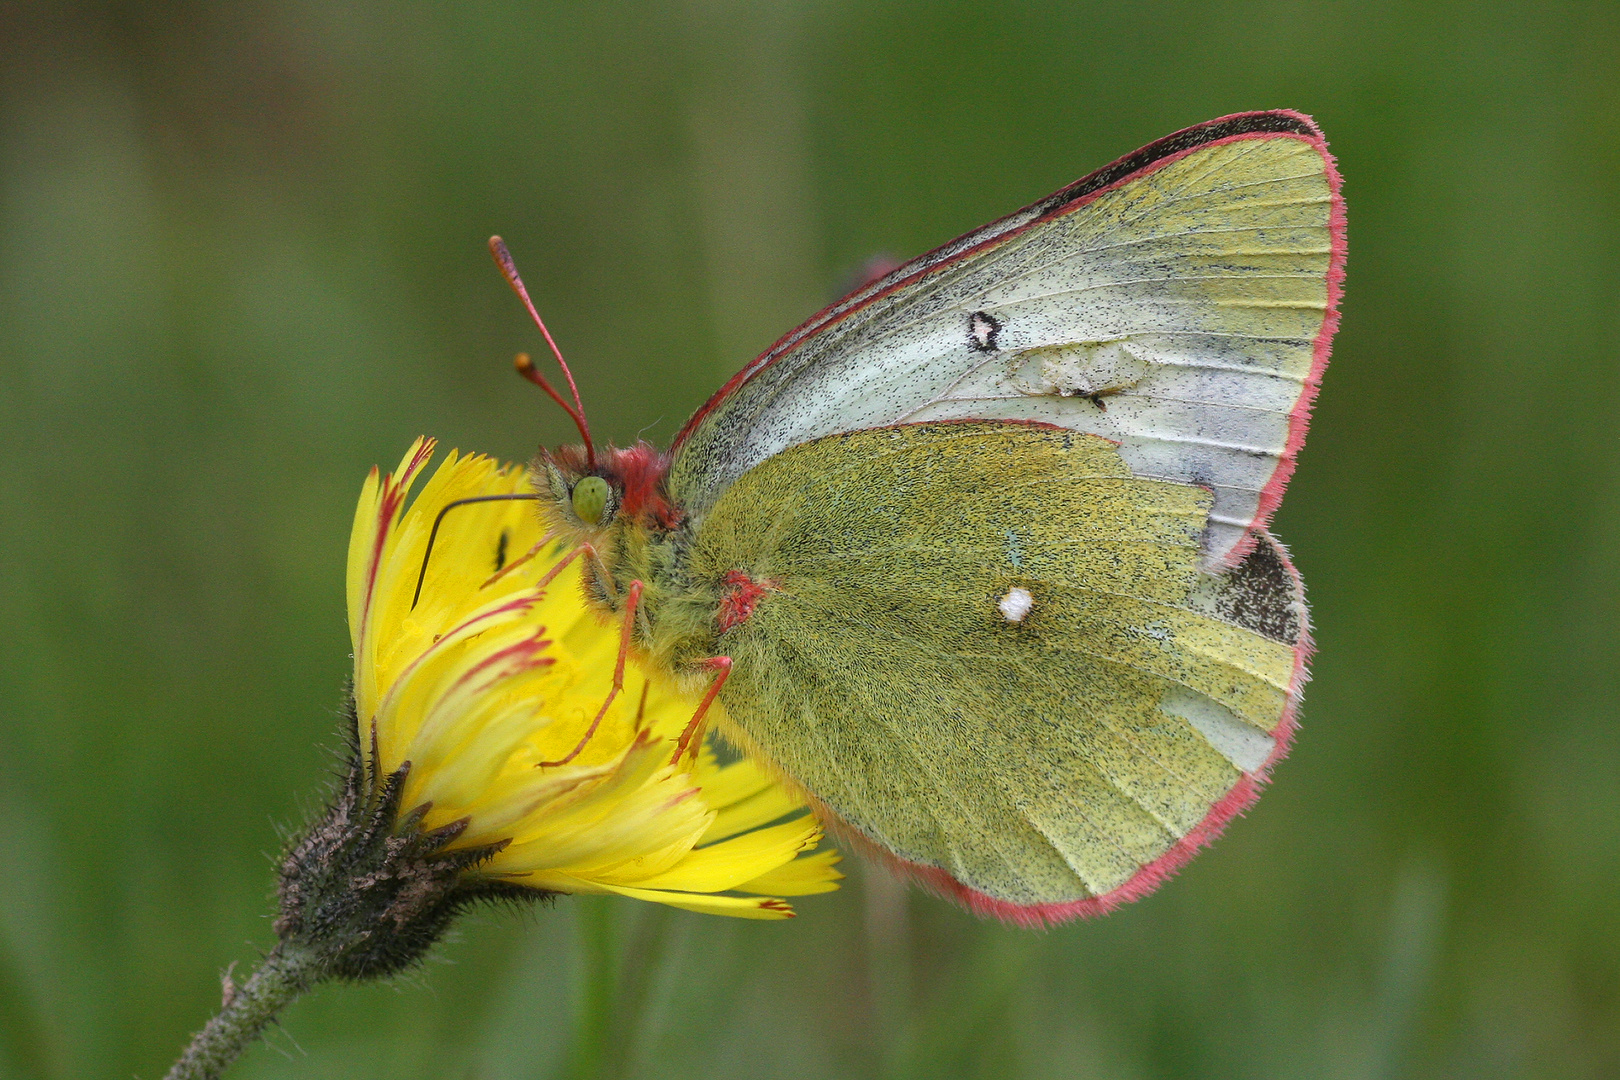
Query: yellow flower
{"type": "Point", "coordinates": [480, 682]}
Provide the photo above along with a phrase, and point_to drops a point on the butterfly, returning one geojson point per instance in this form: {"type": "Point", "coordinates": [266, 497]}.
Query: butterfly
{"type": "Point", "coordinates": [977, 557]}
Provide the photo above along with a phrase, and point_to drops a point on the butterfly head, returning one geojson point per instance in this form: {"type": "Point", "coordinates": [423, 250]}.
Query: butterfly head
{"type": "Point", "coordinates": [591, 497]}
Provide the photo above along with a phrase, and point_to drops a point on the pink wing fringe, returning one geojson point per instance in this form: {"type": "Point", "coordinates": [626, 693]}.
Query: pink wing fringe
{"type": "Point", "coordinates": [1299, 419]}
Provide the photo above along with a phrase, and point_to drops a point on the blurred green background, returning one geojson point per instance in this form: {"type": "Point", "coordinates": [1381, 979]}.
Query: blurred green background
{"type": "Point", "coordinates": [241, 260]}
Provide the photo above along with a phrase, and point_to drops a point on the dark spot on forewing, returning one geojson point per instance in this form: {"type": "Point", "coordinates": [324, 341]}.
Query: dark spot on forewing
{"type": "Point", "coordinates": [983, 328]}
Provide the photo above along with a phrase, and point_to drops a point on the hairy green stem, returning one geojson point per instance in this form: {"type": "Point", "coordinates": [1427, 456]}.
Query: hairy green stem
{"type": "Point", "coordinates": [285, 974]}
{"type": "Point", "coordinates": [363, 894]}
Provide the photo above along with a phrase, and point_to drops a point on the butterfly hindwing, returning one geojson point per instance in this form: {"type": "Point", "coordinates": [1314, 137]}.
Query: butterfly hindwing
{"type": "Point", "coordinates": [1038, 765]}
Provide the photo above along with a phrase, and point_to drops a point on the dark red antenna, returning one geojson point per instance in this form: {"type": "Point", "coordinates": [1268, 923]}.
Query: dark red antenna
{"type": "Point", "coordinates": [525, 366]}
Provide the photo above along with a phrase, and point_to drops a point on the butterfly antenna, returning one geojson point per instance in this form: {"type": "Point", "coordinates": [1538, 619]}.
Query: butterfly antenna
{"type": "Point", "coordinates": [525, 366]}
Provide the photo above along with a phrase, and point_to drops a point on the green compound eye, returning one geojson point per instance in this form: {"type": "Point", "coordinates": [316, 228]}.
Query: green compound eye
{"type": "Point", "coordinates": [590, 499]}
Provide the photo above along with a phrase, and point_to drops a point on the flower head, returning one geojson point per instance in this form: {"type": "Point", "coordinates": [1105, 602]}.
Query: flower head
{"type": "Point", "coordinates": [478, 692]}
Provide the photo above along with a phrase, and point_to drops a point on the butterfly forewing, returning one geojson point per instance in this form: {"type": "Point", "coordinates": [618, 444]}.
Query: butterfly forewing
{"type": "Point", "coordinates": [1180, 307]}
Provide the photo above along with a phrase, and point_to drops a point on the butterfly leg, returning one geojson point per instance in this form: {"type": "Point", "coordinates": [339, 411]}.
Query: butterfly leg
{"type": "Point", "coordinates": [520, 560]}
{"type": "Point", "coordinates": [691, 737]}
{"type": "Point", "coordinates": [604, 580]}
{"type": "Point", "coordinates": [562, 564]}
{"type": "Point", "coordinates": [584, 549]}
{"type": "Point", "coordinates": [632, 598]}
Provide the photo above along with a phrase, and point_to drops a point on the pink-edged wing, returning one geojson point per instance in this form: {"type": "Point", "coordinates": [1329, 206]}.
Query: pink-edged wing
{"type": "Point", "coordinates": [1179, 302]}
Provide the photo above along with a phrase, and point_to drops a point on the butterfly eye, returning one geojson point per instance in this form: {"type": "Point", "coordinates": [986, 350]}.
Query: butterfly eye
{"type": "Point", "coordinates": [590, 499]}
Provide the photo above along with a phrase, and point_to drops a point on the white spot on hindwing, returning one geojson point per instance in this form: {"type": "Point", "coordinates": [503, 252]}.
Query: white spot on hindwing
{"type": "Point", "coordinates": [1016, 604]}
{"type": "Point", "coordinates": [982, 331]}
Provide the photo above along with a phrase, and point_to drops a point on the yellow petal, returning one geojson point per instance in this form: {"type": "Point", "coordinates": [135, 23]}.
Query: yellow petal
{"type": "Point", "coordinates": [727, 784]}
{"type": "Point", "coordinates": [802, 877]}
{"type": "Point", "coordinates": [724, 865]}
{"type": "Point", "coordinates": [756, 810]}
{"type": "Point", "coordinates": [740, 907]}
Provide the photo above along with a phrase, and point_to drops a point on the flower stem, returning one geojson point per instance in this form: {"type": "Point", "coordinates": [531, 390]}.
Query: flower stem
{"type": "Point", "coordinates": [285, 974]}
{"type": "Point", "coordinates": [642, 967]}
{"type": "Point", "coordinates": [595, 1027]}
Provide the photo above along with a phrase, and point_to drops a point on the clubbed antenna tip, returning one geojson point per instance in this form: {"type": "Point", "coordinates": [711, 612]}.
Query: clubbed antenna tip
{"type": "Point", "coordinates": [525, 366]}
